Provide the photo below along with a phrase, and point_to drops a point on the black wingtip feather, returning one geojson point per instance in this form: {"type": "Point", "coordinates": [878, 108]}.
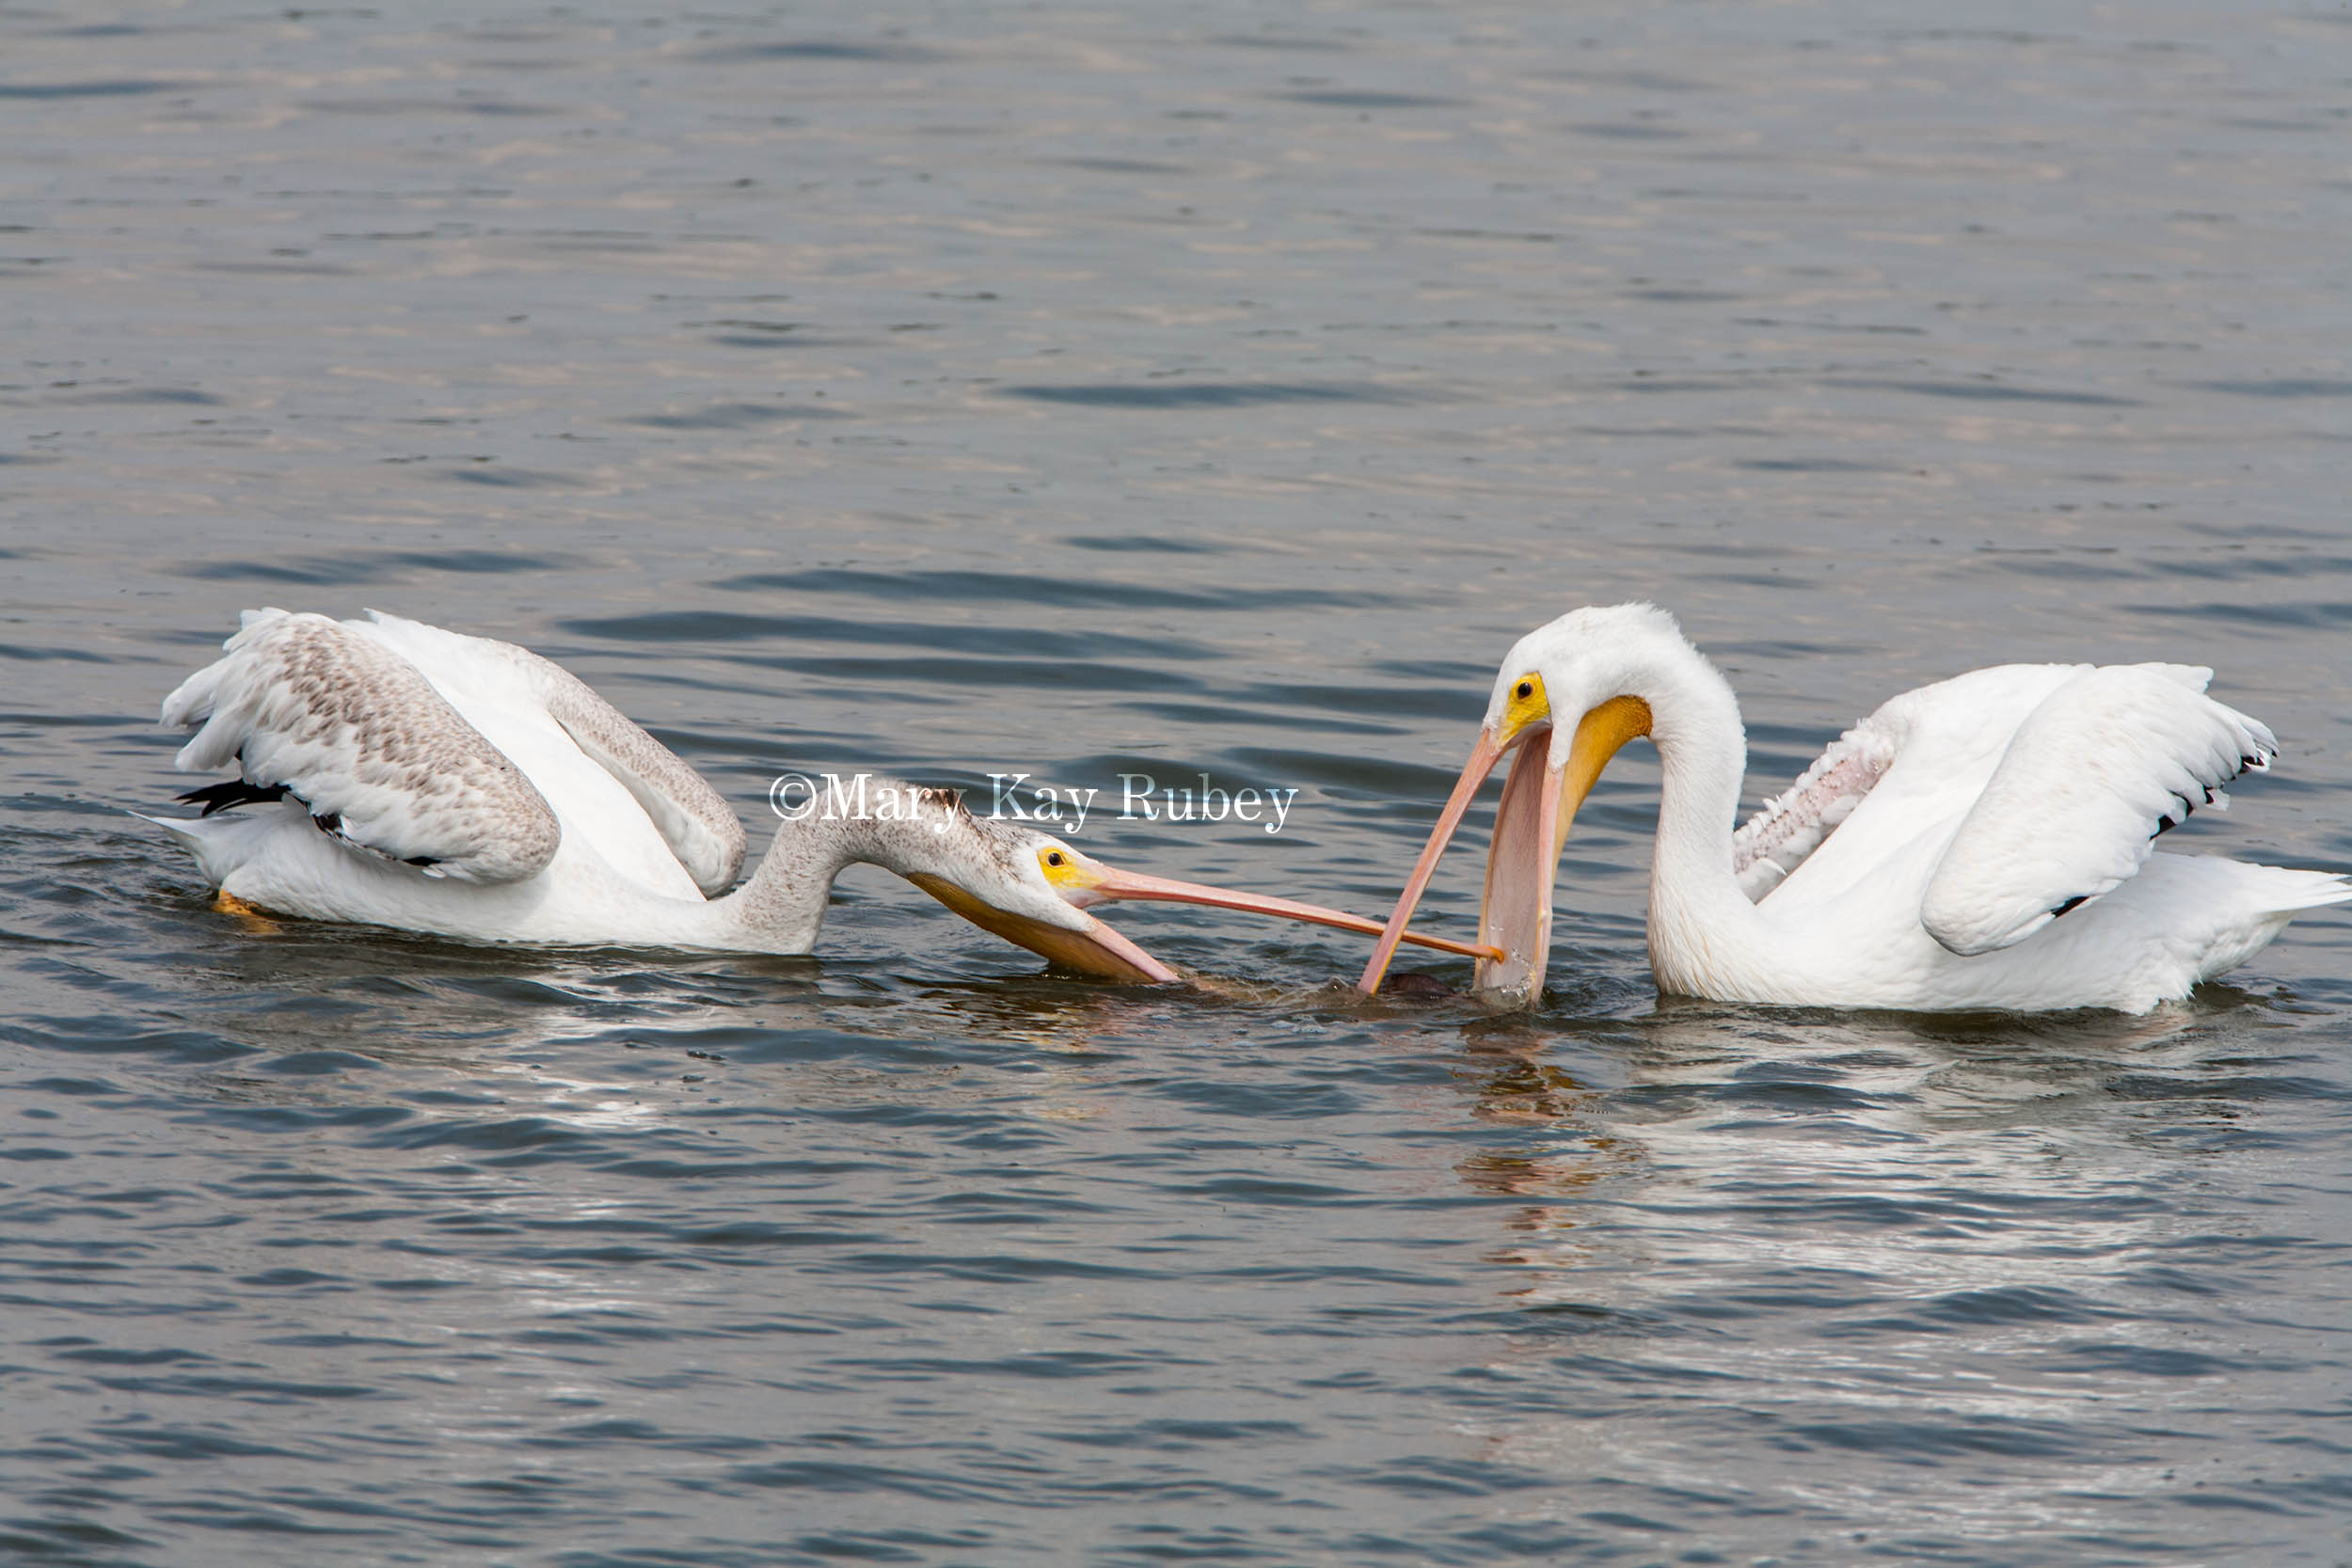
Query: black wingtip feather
{"type": "Point", "coordinates": [232, 792]}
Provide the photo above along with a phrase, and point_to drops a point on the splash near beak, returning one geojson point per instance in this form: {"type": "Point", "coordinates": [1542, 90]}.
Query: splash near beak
{"type": "Point", "coordinates": [1094, 949]}
{"type": "Point", "coordinates": [1539, 801]}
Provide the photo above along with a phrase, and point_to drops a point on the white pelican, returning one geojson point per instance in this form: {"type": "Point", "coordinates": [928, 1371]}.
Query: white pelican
{"type": "Point", "coordinates": [434, 782]}
{"type": "Point", "coordinates": [1981, 843]}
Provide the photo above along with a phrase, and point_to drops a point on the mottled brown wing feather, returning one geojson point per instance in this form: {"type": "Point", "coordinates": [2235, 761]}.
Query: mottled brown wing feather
{"type": "Point", "coordinates": [380, 758]}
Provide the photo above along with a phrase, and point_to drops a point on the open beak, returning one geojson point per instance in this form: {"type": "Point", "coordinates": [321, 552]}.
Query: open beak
{"type": "Point", "coordinates": [1096, 949]}
{"type": "Point", "coordinates": [1092, 948]}
{"type": "Point", "coordinates": [1539, 801]}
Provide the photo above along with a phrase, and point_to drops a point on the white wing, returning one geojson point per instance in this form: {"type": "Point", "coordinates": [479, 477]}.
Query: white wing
{"type": "Point", "coordinates": [352, 730]}
{"type": "Point", "coordinates": [1920, 759]}
{"type": "Point", "coordinates": [693, 822]}
{"type": "Point", "coordinates": [2098, 768]}
{"type": "Point", "coordinates": [699, 826]}
{"type": "Point", "coordinates": [1894, 787]}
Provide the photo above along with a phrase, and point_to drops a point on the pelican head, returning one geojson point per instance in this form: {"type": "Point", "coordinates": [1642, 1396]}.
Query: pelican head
{"type": "Point", "coordinates": [1035, 891]}
{"type": "Point", "coordinates": [1568, 697]}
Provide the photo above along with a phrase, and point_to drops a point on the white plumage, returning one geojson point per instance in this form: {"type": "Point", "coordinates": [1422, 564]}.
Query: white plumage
{"type": "Point", "coordinates": [1985, 842]}
{"type": "Point", "coordinates": [406, 776]}
{"type": "Point", "coordinates": [426, 780]}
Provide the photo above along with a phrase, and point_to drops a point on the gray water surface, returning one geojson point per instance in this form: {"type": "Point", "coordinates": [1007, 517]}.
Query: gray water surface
{"type": "Point", "coordinates": [1077, 391]}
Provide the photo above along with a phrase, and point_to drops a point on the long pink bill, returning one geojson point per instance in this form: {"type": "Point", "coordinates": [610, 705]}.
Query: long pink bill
{"type": "Point", "coordinates": [1110, 883]}
{"type": "Point", "coordinates": [1522, 859]}
{"type": "Point", "coordinates": [1481, 762]}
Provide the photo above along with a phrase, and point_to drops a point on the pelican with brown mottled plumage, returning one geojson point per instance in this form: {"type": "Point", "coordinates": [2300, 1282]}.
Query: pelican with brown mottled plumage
{"type": "Point", "coordinates": [1982, 843]}
{"type": "Point", "coordinates": [429, 781]}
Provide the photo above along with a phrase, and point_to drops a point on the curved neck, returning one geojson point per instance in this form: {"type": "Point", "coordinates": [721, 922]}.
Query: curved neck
{"type": "Point", "coordinates": [1696, 908]}
{"type": "Point", "coordinates": [783, 902]}
{"type": "Point", "coordinates": [783, 905]}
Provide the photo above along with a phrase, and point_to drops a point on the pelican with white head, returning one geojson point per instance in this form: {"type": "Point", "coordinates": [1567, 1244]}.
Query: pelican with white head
{"type": "Point", "coordinates": [1985, 842]}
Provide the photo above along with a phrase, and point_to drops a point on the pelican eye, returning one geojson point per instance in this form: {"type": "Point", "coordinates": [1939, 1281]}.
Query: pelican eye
{"type": "Point", "coordinates": [1060, 866]}
{"type": "Point", "coordinates": [1528, 706]}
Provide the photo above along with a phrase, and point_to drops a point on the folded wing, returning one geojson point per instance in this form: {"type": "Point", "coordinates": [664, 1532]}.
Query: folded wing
{"type": "Point", "coordinates": [350, 728]}
{"type": "Point", "coordinates": [698, 826]}
{"type": "Point", "coordinates": [485, 676]}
